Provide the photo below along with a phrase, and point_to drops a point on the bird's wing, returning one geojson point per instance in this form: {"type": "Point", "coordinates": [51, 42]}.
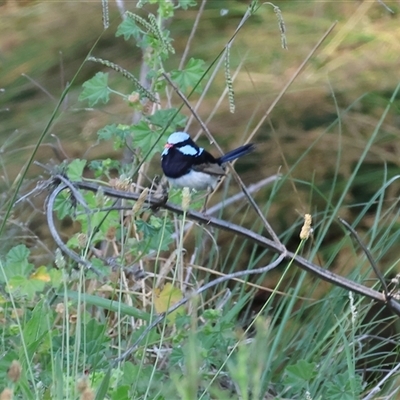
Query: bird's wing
{"type": "Point", "coordinates": [212, 169]}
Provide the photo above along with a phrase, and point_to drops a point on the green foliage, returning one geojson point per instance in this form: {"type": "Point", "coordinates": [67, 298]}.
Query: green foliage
{"type": "Point", "coordinates": [115, 133]}
{"type": "Point", "coordinates": [168, 118]}
{"type": "Point", "coordinates": [16, 274]}
{"type": "Point", "coordinates": [147, 135]}
{"type": "Point", "coordinates": [129, 29]}
{"type": "Point", "coordinates": [189, 78]}
{"type": "Point", "coordinates": [300, 373]}
{"type": "Point", "coordinates": [63, 206]}
{"type": "Point", "coordinates": [344, 386]}
{"type": "Point", "coordinates": [104, 167]}
{"type": "Point", "coordinates": [299, 376]}
{"type": "Point", "coordinates": [145, 139]}
{"type": "Point", "coordinates": [17, 262]}
{"type": "Point", "coordinates": [35, 330]}
{"type": "Point", "coordinates": [96, 89]}
{"type": "Point", "coordinates": [157, 234]}
{"type": "Point", "coordinates": [75, 169]}
{"type": "Point", "coordinates": [146, 34]}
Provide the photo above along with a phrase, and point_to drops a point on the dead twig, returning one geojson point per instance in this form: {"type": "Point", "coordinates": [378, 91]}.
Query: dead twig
{"type": "Point", "coordinates": [368, 254]}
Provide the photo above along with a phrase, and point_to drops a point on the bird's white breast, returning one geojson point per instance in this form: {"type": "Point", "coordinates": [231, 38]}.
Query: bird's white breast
{"type": "Point", "coordinates": [195, 180]}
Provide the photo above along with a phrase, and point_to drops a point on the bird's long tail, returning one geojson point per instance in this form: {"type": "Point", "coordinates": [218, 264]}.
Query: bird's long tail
{"type": "Point", "coordinates": [239, 152]}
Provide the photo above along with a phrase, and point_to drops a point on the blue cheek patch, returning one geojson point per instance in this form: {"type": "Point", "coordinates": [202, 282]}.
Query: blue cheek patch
{"type": "Point", "coordinates": [189, 150]}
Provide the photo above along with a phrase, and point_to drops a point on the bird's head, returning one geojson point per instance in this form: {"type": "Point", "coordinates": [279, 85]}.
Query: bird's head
{"type": "Point", "coordinates": [183, 143]}
{"type": "Point", "coordinates": [177, 138]}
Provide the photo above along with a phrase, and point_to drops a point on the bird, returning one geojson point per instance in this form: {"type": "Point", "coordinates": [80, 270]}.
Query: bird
{"type": "Point", "coordinates": [187, 165]}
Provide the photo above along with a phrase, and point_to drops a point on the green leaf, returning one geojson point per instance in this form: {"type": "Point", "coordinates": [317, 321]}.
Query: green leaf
{"type": "Point", "coordinates": [112, 131]}
{"type": "Point", "coordinates": [17, 263]}
{"type": "Point", "coordinates": [107, 304]}
{"type": "Point", "coordinates": [166, 9]}
{"type": "Point", "coordinates": [144, 138]}
{"type": "Point", "coordinates": [75, 169]}
{"type": "Point", "coordinates": [96, 89]}
{"type": "Point", "coordinates": [18, 255]}
{"type": "Point", "coordinates": [300, 374]}
{"type": "Point", "coordinates": [121, 393]}
{"type": "Point", "coordinates": [141, 377]}
{"type": "Point", "coordinates": [156, 234]}
{"type": "Point", "coordinates": [62, 205]}
{"type": "Point", "coordinates": [25, 287]}
{"type": "Point", "coordinates": [168, 117]}
{"type": "Point", "coordinates": [190, 76]}
{"type": "Point", "coordinates": [100, 167]}
{"type": "Point", "coordinates": [128, 28]}
{"type": "Point", "coordinates": [36, 325]}
{"type": "Point", "coordinates": [56, 277]}
{"type": "Point", "coordinates": [116, 133]}
{"type": "Point", "coordinates": [103, 388]}
{"type": "Point", "coordinates": [145, 228]}
{"type": "Point", "coordinates": [341, 387]}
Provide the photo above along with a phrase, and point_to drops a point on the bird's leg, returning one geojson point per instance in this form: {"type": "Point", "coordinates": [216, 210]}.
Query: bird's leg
{"type": "Point", "coordinates": [207, 196]}
{"type": "Point", "coordinates": [160, 193]}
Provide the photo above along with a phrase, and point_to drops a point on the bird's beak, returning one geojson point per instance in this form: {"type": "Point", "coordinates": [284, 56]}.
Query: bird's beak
{"type": "Point", "coordinates": [168, 145]}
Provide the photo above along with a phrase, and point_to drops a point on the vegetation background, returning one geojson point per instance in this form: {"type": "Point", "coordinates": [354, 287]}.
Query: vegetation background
{"type": "Point", "coordinates": [333, 137]}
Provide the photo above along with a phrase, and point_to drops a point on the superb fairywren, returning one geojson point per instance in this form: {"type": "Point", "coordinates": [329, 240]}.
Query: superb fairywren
{"type": "Point", "coordinates": [187, 165]}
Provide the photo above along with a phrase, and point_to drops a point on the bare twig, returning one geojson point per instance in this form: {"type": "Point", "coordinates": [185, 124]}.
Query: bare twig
{"type": "Point", "coordinates": [386, 6]}
{"type": "Point", "coordinates": [368, 254]}
{"type": "Point", "coordinates": [255, 187]}
{"type": "Point", "coordinates": [192, 33]}
{"type": "Point", "coordinates": [291, 80]}
{"type": "Point", "coordinates": [378, 386]}
{"type": "Point", "coordinates": [54, 233]}
{"type": "Point", "coordinates": [301, 262]}
{"type": "Point", "coordinates": [233, 199]}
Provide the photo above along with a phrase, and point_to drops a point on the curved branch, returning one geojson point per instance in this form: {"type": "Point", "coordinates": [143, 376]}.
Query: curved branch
{"type": "Point", "coordinates": [301, 262]}
{"type": "Point", "coordinates": [50, 220]}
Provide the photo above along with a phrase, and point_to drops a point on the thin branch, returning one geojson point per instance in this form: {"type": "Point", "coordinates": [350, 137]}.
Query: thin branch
{"type": "Point", "coordinates": [255, 187]}
{"type": "Point", "coordinates": [301, 262]}
{"type": "Point", "coordinates": [386, 6]}
{"type": "Point", "coordinates": [54, 233]}
{"type": "Point", "coordinates": [291, 80]}
{"type": "Point", "coordinates": [233, 199]}
{"type": "Point", "coordinates": [378, 386]}
{"type": "Point", "coordinates": [192, 33]}
{"type": "Point", "coordinates": [368, 254]}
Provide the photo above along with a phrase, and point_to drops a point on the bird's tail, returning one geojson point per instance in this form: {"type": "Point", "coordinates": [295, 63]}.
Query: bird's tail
{"type": "Point", "coordinates": [239, 152]}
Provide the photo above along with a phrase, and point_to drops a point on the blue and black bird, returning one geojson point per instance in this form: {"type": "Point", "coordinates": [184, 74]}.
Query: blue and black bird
{"type": "Point", "coordinates": [187, 165]}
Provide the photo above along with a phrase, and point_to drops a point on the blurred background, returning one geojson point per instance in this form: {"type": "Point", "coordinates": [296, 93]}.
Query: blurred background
{"type": "Point", "coordinates": [332, 137]}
